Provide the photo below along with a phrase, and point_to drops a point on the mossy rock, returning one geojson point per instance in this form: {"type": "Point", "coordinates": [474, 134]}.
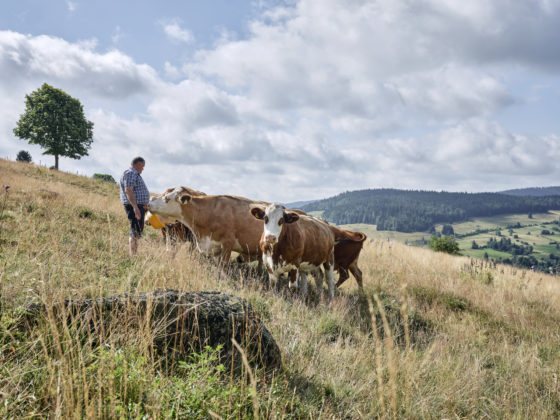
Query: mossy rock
{"type": "Point", "coordinates": [181, 322]}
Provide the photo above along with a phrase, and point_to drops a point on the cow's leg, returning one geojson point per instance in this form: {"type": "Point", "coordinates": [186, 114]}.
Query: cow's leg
{"type": "Point", "coordinates": [225, 256]}
{"type": "Point", "coordinates": [281, 283]}
{"type": "Point", "coordinates": [293, 280]}
{"type": "Point", "coordinates": [302, 280]}
{"type": "Point", "coordinates": [165, 234]}
{"type": "Point", "coordinates": [342, 276]}
{"type": "Point", "coordinates": [170, 240]}
{"type": "Point", "coordinates": [259, 264]}
{"type": "Point", "coordinates": [318, 274]}
{"type": "Point", "coordinates": [357, 273]}
{"type": "Point", "coordinates": [267, 279]}
{"type": "Point", "coordinates": [329, 274]}
{"type": "Point", "coordinates": [270, 279]}
{"type": "Point", "coordinates": [172, 235]}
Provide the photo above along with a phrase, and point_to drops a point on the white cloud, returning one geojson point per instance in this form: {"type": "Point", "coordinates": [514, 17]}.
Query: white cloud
{"type": "Point", "coordinates": [318, 98]}
{"type": "Point", "coordinates": [71, 5]}
{"type": "Point", "coordinates": [112, 74]}
{"type": "Point", "coordinates": [171, 71]}
{"type": "Point", "coordinates": [117, 35]}
{"type": "Point", "coordinates": [453, 92]}
{"type": "Point", "coordinates": [175, 32]}
{"type": "Point", "coordinates": [308, 54]}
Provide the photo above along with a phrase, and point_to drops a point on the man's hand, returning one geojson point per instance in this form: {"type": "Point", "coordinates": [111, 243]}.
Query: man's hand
{"type": "Point", "coordinates": [137, 212]}
{"type": "Point", "coordinates": [129, 191]}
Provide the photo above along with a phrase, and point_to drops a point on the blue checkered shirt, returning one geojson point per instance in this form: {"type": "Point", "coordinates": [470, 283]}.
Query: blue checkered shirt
{"type": "Point", "coordinates": [131, 178]}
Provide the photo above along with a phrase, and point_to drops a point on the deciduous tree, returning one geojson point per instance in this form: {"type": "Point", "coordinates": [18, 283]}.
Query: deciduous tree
{"type": "Point", "coordinates": [55, 121]}
{"type": "Point", "coordinates": [23, 156]}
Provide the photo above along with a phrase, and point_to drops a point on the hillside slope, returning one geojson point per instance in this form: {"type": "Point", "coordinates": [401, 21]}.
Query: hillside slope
{"type": "Point", "coordinates": [533, 192]}
{"type": "Point", "coordinates": [447, 336]}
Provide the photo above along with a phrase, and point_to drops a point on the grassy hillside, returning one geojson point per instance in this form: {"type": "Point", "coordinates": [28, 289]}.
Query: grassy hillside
{"type": "Point", "coordinates": [453, 337]}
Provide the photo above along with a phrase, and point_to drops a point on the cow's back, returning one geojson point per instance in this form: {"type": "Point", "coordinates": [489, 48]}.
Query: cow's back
{"type": "Point", "coordinates": [348, 246]}
{"type": "Point", "coordinates": [308, 239]}
{"type": "Point", "coordinates": [227, 218]}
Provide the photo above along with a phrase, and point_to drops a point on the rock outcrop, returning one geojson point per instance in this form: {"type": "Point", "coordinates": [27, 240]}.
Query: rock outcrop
{"type": "Point", "coordinates": [179, 322]}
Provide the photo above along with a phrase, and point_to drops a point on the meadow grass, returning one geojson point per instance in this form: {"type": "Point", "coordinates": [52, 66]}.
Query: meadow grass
{"type": "Point", "coordinates": [432, 336]}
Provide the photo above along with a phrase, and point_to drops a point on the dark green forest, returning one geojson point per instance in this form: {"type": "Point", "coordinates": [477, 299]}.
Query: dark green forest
{"type": "Point", "coordinates": [535, 192]}
{"type": "Point", "coordinates": [418, 211]}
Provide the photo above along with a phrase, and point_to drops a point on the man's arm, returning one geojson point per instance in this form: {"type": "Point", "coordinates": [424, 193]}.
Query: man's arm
{"type": "Point", "coordinates": [129, 191]}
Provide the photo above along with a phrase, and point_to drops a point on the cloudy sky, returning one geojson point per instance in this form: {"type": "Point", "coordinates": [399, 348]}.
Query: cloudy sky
{"type": "Point", "coordinates": [297, 99]}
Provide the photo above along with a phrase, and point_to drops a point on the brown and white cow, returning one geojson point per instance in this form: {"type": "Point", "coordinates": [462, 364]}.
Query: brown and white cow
{"type": "Point", "coordinates": [220, 223]}
{"type": "Point", "coordinates": [347, 249]}
{"type": "Point", "coordinates": [296, 244]}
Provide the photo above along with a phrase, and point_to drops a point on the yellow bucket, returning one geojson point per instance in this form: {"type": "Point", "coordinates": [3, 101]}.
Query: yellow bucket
{"type": "Point", "coordinates": [154, 220]}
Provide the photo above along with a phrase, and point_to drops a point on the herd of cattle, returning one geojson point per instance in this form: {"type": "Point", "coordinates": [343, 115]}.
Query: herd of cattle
{"type": "Point", "coordinates": [286, 241]}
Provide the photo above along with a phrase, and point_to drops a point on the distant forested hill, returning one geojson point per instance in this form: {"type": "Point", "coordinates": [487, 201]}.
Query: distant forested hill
{"type": "Point", "coordinates": [534, 192]}
{"type": "Point", "coordinates": [416, 211]}
{"type": "Point", "coordinates": [298, 204]}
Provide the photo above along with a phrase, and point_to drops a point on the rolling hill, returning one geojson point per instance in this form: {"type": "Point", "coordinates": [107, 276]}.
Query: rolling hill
{"type": "Point", "coordinates": [533, 192]}
{"type": "Point", "coordinates": [416, 211]}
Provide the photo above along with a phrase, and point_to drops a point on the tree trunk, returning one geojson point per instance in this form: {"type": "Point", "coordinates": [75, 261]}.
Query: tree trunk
{"type": "Point", "coordinates": [56, 162]}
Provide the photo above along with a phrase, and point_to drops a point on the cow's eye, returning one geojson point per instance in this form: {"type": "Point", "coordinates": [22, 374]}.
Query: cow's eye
{"type": "Point", "coordinates": [166, 199]}
{"type": "Point", "coordinates": [266, 219]}
{"type": "Point", "coordinates": [280, 222]}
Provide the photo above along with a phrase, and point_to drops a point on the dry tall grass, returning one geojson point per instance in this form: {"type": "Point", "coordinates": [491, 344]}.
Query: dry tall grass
{"type": "Point", "coordinates": [434, 336]}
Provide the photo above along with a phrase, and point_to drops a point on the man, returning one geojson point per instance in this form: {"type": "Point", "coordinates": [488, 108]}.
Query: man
{"type": "Point", "coordinates": [134, 196]}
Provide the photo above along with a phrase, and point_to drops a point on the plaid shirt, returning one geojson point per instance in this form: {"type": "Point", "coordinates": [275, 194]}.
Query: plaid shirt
{"type": "Point", "coordinates": [131, 178]}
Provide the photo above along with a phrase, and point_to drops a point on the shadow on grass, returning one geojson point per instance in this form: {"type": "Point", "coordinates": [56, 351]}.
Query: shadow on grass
{"type": "Point", "coordinates": [420, 329]}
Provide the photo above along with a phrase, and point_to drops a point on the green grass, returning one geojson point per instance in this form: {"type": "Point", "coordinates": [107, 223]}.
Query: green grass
{"type": "Point", "coordinates": [502, 222]}
{"type": "Point", "coordinates": [530, 232]}
{"type": "Point", "coordinates": [479, 253]}
{"type": "Point", "coordinates": [372, 233]}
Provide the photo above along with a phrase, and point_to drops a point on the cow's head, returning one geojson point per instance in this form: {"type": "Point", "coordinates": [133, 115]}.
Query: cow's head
{"type": "Point", "coordinates": [169, 204]}
{"type": "Point", "coordinates": [274, 217]}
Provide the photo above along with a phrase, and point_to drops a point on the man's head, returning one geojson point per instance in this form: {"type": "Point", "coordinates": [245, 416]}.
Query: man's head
{"type": "Point", "coordinates": [138, 163]}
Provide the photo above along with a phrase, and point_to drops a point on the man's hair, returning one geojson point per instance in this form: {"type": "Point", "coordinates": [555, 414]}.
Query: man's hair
{"type": "Point", "coordinates": [138, 159]}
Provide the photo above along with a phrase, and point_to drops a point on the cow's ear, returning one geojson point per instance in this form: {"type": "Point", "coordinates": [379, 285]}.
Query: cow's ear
{"type": "Point", "coordinates": [257, 212]}
{"type": "Point", "coordinates": [184, 198]}
{"type": "Point", "coordinates": [291, 217]}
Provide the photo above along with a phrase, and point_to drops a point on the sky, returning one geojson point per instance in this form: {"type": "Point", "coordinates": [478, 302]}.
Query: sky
{"type": "Point", "coordinates": [297, 99]}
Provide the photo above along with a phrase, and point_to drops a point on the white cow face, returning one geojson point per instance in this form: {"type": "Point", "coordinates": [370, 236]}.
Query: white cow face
{"type": "Point", "coordinates": [274, 217]}
{"type": "Point", "coordinates": [169, 204]}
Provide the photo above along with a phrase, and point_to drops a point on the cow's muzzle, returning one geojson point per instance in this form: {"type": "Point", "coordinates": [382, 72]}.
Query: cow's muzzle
{"type": "Point", "coordinates": [270, 239]}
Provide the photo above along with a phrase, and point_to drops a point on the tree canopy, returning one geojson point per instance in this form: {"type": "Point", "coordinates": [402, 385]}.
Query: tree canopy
{"type": "Point", "coordinates": [55, 121]}
{"type": "Point", "coordinates": [445, 244]}
{"type": "Point", "coordinates": [23, 156]}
